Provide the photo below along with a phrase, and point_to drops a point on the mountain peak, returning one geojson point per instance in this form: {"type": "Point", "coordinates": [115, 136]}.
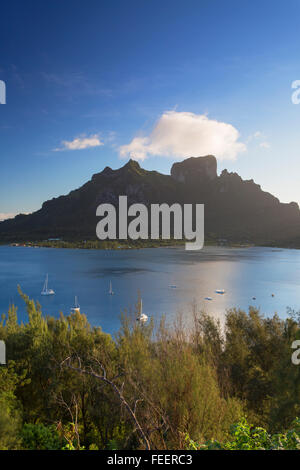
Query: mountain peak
{"type": "Point", "coordinates": [131, 165]}
{"type": "Point", "coordinates": [195, 169]}
{"type": "Point", "coordinates": [234, 209]}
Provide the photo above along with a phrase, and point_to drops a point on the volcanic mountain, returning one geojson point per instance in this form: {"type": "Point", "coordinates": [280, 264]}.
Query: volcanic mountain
{"type": "Point", "coordinates": [235, 209]}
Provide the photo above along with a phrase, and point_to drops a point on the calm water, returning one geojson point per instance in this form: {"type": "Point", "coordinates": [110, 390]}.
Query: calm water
{"type": "Point", "coordinates": [243, 273]}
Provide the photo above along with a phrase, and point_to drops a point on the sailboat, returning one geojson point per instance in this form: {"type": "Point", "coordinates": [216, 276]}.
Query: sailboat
{"type": "Point", "coordinates": [45, 290]}
{"type": "Point", "coordinates": [76, 308]}
{"type": "Point", "coordinates": [142, 317]}
{"type": "Point", "coordinates": [111, 292]}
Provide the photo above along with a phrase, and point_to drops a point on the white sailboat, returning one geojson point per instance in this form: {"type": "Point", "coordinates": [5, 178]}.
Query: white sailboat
{"type": "Point", "coordinates": [76, 308]}
{"type": "Point", "coordinates": [111, 292]}
{"type": "Point", "coordinates": [46, 290]}
{"type": "Point", "coordinates": [142, 317]}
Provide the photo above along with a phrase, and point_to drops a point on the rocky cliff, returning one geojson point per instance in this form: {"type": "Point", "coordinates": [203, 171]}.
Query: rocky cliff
{"type": "Point", "coordinates": [195, 170]}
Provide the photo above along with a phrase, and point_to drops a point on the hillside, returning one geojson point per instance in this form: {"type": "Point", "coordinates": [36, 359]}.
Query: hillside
{"type": "Point", "coordinates": [235, 209]}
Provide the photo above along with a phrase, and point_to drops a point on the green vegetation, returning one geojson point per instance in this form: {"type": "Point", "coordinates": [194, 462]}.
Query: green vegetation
{"type": "Point", "coordinates": [69, 386]}
{"type": "Point", "coordinates": [246, 437]}
{"type": "Point", "coordinates": [121, 244]}
{"type": "Point", "coordinates": [103, 245]}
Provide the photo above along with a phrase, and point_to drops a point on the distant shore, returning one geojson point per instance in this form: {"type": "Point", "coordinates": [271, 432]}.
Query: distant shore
{"type": "Point", "coordinates": [118, 245]}
{"type": "Point", "coordinates": [138, 244]}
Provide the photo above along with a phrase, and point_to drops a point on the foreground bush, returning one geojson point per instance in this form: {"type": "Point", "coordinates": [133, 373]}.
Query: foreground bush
{"type": "Point", "coordinates": [70, 385]}
{"type": "Point", "coordinates": [40, 437]}
{"type": "Point", "coordinates": [246, 437]}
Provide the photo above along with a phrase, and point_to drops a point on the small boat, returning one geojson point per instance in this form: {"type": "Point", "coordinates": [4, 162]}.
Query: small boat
{"type": "Point", "coordinates": [111, 292]}
{"type": "Point", "coordinates": [76, 308]}
{"type": "Point", "coordinates": [173, 286]}
{"type": "Point", "coordinates": [207, 298]}
{"type": "Point", "coordinates": [220, 291]}
{"type": "Point", "coordinates": [46, 290]}
{"type": "Point", "coordinates": [253, 298]}
{"type": "Point", "coordinates": [273, 295]}
{"type": "Point", "coordinates": [142, 317]}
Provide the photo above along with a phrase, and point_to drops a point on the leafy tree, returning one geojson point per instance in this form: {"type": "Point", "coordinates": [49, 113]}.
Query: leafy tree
{"type": "Point", "coordinates": [10, 408]}
{"type": "Point", "coordinates": [40, 437]}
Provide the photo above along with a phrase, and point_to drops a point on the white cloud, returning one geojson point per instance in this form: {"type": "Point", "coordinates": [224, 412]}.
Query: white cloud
{"type": "Point", "coordinates": [183, 134]}
{"type": "Point", "coordinates": [256, 135]}
{"type": "Point", "coordinates": [80, 143]}
{"type": "Point", "coordinates": [265, 145]}
{"type": "Point", "coordinates": [4, 216]}
{"type": "Point", "coordinates": [259, 136]}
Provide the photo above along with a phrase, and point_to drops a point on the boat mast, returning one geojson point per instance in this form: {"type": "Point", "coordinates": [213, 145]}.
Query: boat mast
{"type": "Point", "coordinates": [45, 288]}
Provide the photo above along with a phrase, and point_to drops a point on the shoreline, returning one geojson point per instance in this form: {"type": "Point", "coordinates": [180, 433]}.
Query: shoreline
{"type": "Point", "coordinates": [109, 245]}
{"type": "Point", "coordinates": [134, 244]}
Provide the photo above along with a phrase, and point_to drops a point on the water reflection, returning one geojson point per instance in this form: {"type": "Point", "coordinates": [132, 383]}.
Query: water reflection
{"type": "Point", "coordinates": [243, 273]}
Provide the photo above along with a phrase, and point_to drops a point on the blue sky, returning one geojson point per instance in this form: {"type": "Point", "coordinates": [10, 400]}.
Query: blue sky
{"type": "Point", "coordinates": [106, 75]}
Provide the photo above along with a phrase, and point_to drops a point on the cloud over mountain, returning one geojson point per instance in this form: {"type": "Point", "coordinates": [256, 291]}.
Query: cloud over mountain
{"type": "Point", "coordinates": [179, 134]}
